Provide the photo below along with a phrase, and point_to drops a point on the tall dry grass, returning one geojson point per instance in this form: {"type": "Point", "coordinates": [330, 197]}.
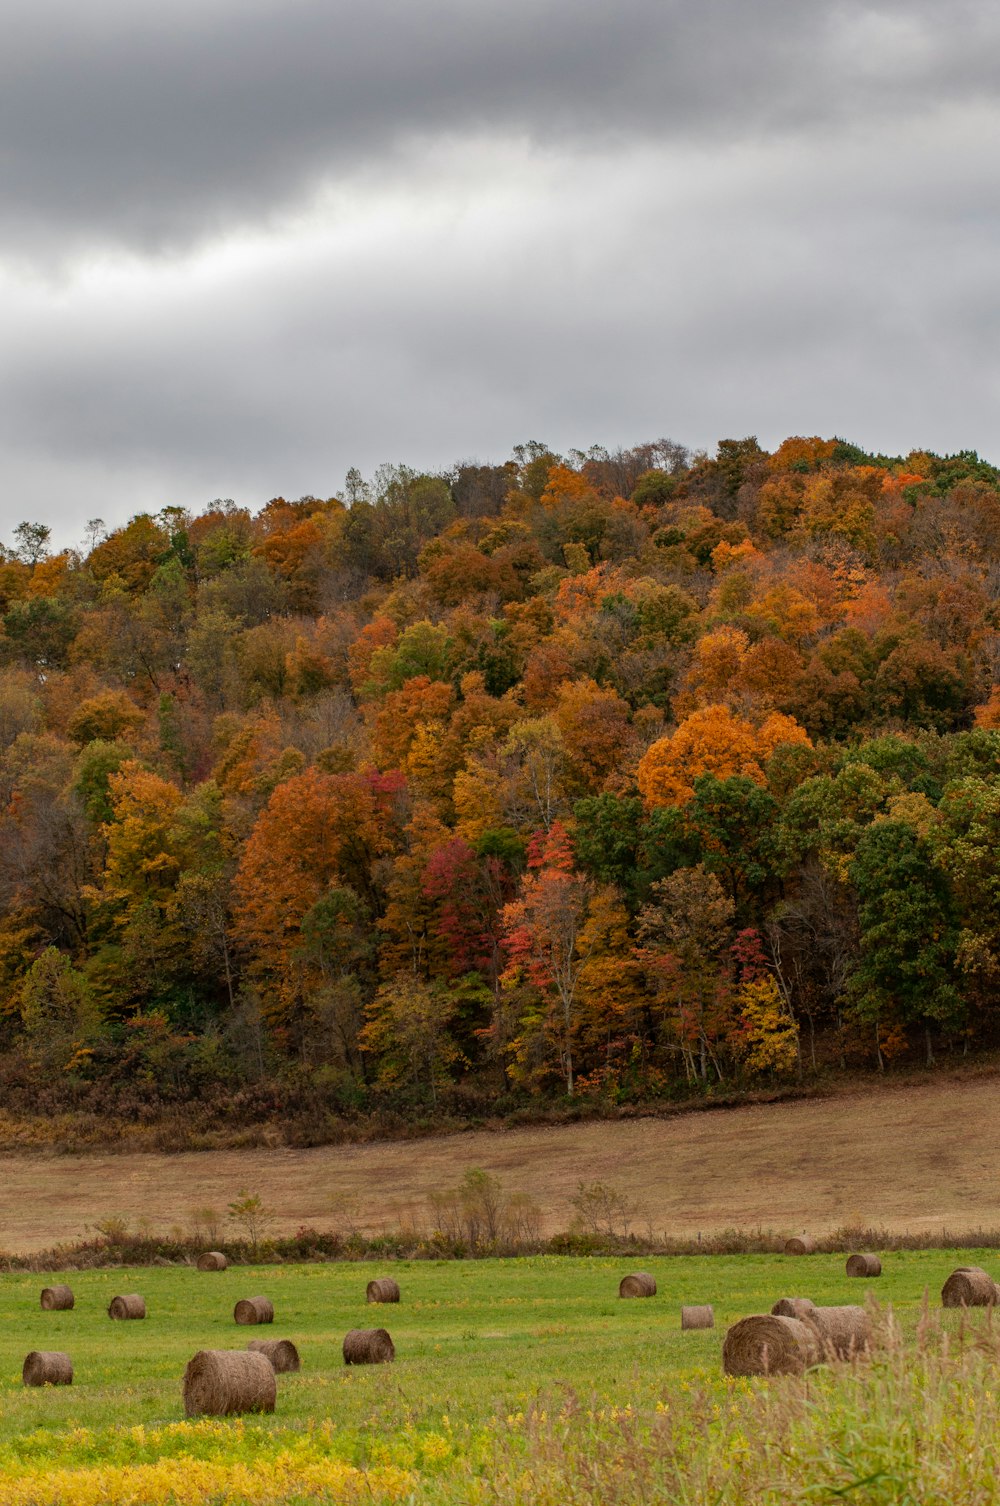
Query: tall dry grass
{"type": "Point", "coordinates": [917, 1424]}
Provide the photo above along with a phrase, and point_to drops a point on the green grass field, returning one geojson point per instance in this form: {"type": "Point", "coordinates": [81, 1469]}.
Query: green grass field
{"type": "Point", "coordinates": [478, 1343]}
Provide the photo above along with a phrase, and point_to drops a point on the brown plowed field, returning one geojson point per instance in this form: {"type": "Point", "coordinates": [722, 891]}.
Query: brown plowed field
{"type": "Point", "coordinates": [913, 1158]}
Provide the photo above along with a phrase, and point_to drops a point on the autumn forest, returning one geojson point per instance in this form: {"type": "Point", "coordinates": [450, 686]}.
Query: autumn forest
{"type": "Point", "coordinates": [601, 778]}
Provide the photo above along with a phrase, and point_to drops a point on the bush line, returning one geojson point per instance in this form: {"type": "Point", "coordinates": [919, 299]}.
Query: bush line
{"type": "Point", "coordinates": [318, 1245]}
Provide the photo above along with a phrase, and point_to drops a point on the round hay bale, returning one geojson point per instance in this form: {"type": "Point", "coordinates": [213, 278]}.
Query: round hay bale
{"type": "Point", "coordinates": [845, 1332]}
{"type": "Point", "coordinates": [769, 1345]}
{"type": "Point", "coordinates": [640, 1284]}
{"type": "Point", "coordinates": [254, 1310]}
{"type": "Point", "coordinates": [697, 1317]}
{"type": "Point", "coordinates": [212, 1260]}
{"type": "Point", "coordinates": [794, 1307]}
{"type": "Point", "coordinates": [221, 1382]}
{"type": "Point", "coordinates": [47, 1367]}
{"type": "Point", "coordinates": [368, 1346]}
{"type": "Point", "coordinates": [382, 1289]}
{"type": "Point", "coordinates": [129, 1306]}
{"type": "Point", "coordinates": [864, 1265]}
{"type": "Point", "coordinates": [802, 1244]}
{"type": "Point", "coordinates": [281, 1353]}
{"type": "Point", "coordinates": [57, 1299]}
{"type": "Point", "coordinates": [969, 1286]}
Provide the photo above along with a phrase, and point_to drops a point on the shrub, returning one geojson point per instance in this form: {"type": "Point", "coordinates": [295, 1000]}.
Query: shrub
{"type": "Point", "coordinates": [248, 1212]}
{"type": "Point", "coordinates": [478, 1216]}
{"type": "Point", "coordinates": [604, 1210]}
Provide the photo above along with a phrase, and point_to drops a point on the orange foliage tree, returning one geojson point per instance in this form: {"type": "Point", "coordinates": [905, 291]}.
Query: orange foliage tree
{"type": "Point", "coordinates": [713, 741]}
{"type": "Point", "coordinates": [594, 723]}
{"type": "Point", "coordinates": [317, 831]}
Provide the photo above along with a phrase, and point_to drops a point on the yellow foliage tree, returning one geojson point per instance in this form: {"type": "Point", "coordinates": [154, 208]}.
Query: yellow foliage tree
{"type": "Point", "coordinates": [716, 675]}
{"type": "Point", "coordinates": [769, 1036]}
{"type": "Point", "coordinates": [478, 800]}
{"type": "Point", "coordinates": [785, 611]}
{"type": "Point", "coordinates": [612, 996]}
{"type": "Point", "coordinates": [142, 863]}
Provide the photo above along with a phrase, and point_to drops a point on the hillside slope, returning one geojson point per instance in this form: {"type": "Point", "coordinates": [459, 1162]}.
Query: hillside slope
{"type": "Point", "coordinates": [314, 805]}
{"type": "Point", "coordinates": [917, 1158]}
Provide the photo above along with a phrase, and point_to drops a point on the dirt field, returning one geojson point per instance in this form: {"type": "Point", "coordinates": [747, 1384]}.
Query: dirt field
{"type": "Point", "coordinates": [917, 1158]}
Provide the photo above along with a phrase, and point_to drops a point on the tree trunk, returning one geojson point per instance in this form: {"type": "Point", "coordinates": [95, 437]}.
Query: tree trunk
{"type": "Point", "coordinates": [229, 974]}
{"type": "Point", "coordinates": [258, 1036]}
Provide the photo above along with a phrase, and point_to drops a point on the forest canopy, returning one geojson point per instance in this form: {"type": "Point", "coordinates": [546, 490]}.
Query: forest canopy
{"type": "Point", "coordinates": [619, 775]}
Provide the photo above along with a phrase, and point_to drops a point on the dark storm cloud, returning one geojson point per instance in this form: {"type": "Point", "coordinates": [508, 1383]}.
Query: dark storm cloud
{"type": "Point", "coordinates": [157, 126]}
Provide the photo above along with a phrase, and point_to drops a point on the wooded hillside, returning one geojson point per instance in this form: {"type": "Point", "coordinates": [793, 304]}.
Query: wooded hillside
{"type": "Point", "coordinates": [618, 775]}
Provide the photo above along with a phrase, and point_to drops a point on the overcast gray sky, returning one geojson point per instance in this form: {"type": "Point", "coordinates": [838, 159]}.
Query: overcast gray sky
{"type": "Point", "coordinates": [246, 244]}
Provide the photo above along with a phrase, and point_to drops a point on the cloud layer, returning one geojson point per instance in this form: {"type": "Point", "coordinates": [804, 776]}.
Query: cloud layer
{"type": "Point", "coordinates": [243, 247]}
